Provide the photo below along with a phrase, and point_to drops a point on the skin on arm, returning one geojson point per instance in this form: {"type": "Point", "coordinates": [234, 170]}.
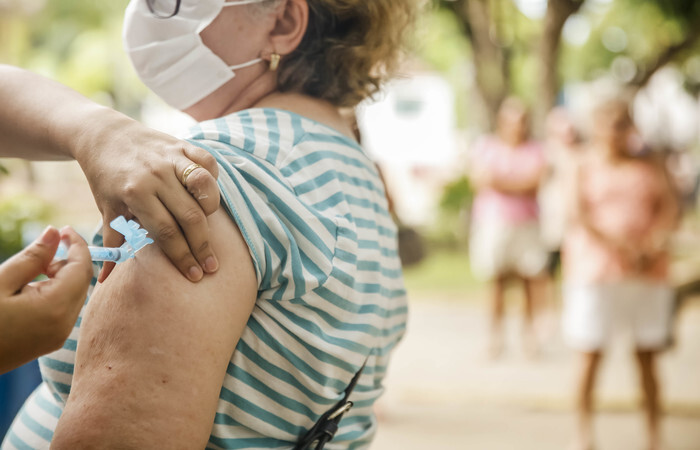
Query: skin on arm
{"type": "Point", "coordinates": [37, 318]}
{"type": "Point", "coordinates": [667, 213]}
{"type": "Point", "coordinates": [483, 175]}
{"type": "Point", "coordinates": [154, 349]}
{"type": "Point", "coordinates": [482, 178]}
{"type": "Point", "coordinates": [582, 214]}
{"type": "Point", "coordinates": [132, 170]}
{"type": "Point", "coordinates": [519, 185]}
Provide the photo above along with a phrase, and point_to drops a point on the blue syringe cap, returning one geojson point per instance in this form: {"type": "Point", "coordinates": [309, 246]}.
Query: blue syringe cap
{"type": "Point", "coordinates": [134, 235]}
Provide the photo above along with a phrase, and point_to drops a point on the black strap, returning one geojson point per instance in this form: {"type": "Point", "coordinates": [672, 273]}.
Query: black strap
{"type": "Point", "coordinates": [327, 425]}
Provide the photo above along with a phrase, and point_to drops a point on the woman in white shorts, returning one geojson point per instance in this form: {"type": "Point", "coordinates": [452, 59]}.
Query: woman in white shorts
{"type": "Point", "coordinates": [505, 238]}
{"type": "Point", "coordinates": [616, 261]}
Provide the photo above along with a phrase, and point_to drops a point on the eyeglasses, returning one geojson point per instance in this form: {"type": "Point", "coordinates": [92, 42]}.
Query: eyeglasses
{"type": "Point", "coordinates": [164, 9]}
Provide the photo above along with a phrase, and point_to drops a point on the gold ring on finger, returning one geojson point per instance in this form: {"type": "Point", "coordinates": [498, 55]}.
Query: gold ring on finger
{"type": "Point", "coordinates": [191, 168]}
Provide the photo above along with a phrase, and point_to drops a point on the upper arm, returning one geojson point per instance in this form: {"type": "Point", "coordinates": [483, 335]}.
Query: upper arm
{"type": "Point", "coordinates": [154, 349]}
{"type": "Point", "coordinates": [670, 207]}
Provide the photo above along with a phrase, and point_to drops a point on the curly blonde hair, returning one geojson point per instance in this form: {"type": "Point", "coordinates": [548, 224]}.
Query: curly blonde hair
{"type": "Point", "coordinates": [349, 49]}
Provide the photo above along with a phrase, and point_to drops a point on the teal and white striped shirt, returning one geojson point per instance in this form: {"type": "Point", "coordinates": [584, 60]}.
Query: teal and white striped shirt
{"type": "Point", "coordinates": [312, 210]}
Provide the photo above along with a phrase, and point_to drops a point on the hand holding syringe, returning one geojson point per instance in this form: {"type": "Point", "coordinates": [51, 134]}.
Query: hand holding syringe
{"type": "Point", "coordinates": [135, 240]}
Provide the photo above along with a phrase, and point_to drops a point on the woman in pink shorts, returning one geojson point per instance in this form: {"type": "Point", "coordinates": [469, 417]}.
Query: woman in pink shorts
{"type": "Point", "coordinates": [616, 260]}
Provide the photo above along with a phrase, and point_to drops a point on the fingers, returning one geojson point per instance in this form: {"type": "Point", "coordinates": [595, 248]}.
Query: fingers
{"type": "Point", "coordinates": [71, 280]}
{"type": "Point", "coordinates": [168, 235]}
{"type": "Point", "coordinates": [204, 159]}
{"type": "Point", "coordinates": [63, 295]}
{"type": "Point", "coordinates": [29, 263]}
{"type": "Point", "coordinates": [110, 238]}
{"type": "Point", "coordinates": [203, 188]}
{"type": "Point", "coordinates": [195, 227]}
{"type": "Point", "coordinates": [201, 182]}
{"type": "Point", "coordinates": [148, 187]}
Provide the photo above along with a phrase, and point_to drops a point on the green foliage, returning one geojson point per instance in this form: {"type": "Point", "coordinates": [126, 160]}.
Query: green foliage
{"type": "Point", "coordinates": [648, 28]}
{"type": "Point", "coordinates": [15, 213]}
{"type": "Point", "coordinates": [447, 49]}
{"type": "Point", "coordinates": [78, 43]}
{"type": "Point", "coordinates": [444, 272]}
{"type": "Point", "coordinates": [457, 195]}
{"type": "Point", "coordinates": [669, 20]}
{"type": "Point", "coordinates": [682, 11]}
{"type": "Point", "coordinates": [442, 44]}
{"type": "Point", "coordinates": [450, 230]}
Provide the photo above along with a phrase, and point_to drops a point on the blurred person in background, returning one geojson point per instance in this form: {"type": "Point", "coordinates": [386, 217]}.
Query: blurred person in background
{"type": "Point", "coordinates": [686, 176]}
{"type": "Point", "coordinates": [616, 260]}
{"type": "Point", "coordinates": [507, 169]}
{"type": "Point", "coordinates": [563, 153]}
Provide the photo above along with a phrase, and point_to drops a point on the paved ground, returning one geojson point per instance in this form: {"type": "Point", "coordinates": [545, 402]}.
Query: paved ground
{"type": "Point", "coordinates": [444, 394]}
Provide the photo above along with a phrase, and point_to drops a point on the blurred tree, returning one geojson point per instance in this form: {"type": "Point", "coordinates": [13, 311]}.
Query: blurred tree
{"type": "Point", "coordinates": [682, 16]}
{"type": "Point", "coordinates": [618, 40]}
{"type": "Point", "coordinates": [621, 43]}
{"type": "Point", "coordinates": [558, 12]}
{"type": "Point", "coordinates": [481, 22]}
{"type": "Point", "coordinates": [491, 26]}
{"type": "Point", "coordinates": [77, 42]}
{"type": "Point", "coordinates": [16, 213]}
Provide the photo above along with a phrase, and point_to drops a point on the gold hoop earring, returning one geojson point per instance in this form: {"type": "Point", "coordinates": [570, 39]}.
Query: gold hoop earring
{"type": "Point", "coordinates": [274, 61]}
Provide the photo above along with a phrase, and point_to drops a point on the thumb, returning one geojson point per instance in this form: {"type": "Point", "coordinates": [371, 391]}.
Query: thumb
{"type": "Point", "coordinates": [31, 262]}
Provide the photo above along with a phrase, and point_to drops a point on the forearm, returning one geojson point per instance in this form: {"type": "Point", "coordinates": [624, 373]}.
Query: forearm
{"type": "Point", "coordinates": [583, 218]}
{"type": "Point", "coordinates": [515, 187]}
{"type": "Point", "coordinates": [41, 119]}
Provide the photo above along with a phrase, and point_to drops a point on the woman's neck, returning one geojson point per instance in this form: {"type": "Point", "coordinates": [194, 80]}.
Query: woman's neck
{"type": "Point", "coordinates": [262, 92]}
{"type": "Point", "coordinates": [316, 109]}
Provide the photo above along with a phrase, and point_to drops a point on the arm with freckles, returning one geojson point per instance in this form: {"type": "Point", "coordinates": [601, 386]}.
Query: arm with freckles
{"type": "Point", "coordinates": [154, 349]}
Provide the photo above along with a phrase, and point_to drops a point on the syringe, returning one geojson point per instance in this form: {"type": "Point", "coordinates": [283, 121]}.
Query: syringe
{"type": "Point", "coordinates": [134, 235]}
{"type": "Point", "coordinates": [96, 253]}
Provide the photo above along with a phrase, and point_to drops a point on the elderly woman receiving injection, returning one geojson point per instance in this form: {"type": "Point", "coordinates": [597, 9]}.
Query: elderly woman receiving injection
{"type": "Point", "coordinates": [308, 301]}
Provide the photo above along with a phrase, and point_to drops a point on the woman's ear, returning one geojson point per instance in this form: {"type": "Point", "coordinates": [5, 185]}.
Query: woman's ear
{"type": "Point", "coordinates": [292, 18]}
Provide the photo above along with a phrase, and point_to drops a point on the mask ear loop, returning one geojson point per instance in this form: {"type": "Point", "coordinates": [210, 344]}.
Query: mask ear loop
{"type": "Point", "coordinates": [244, 65]}
{"type": "Point", "coordinates": [242, 2]}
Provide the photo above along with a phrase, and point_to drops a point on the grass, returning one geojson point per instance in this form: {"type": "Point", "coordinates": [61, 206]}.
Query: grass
{"type": "Point", "coordinates": [442, 273]}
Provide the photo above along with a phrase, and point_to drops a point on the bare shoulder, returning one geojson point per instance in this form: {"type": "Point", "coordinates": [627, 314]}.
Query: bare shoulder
{"type": "Point", "coordinates": [154, 349]}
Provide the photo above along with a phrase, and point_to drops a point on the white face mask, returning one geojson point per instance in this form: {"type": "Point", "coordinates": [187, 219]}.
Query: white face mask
{"type": "Point", "coordinates": [169, 55]}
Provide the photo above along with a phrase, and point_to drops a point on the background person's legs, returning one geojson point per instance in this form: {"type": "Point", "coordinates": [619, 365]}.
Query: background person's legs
{"type": "Point", "coordinates": [646, 360]}
{"type": "Point", "coordinates": [588, 370]}
{"type": "Point", "coordinates": [535, 303]}
{"type": "Point", "coordinates": [497, 312]}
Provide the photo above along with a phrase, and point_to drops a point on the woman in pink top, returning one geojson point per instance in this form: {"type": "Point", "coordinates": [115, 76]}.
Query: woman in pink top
{"type": "Point", "coordinates": [616, 259]}
{"type": "Point", "coordinates": [505, 242]}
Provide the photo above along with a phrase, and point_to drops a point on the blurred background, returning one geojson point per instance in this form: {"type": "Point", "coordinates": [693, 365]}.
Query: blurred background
{"type": "Point", "coordinates": [444, 389]}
